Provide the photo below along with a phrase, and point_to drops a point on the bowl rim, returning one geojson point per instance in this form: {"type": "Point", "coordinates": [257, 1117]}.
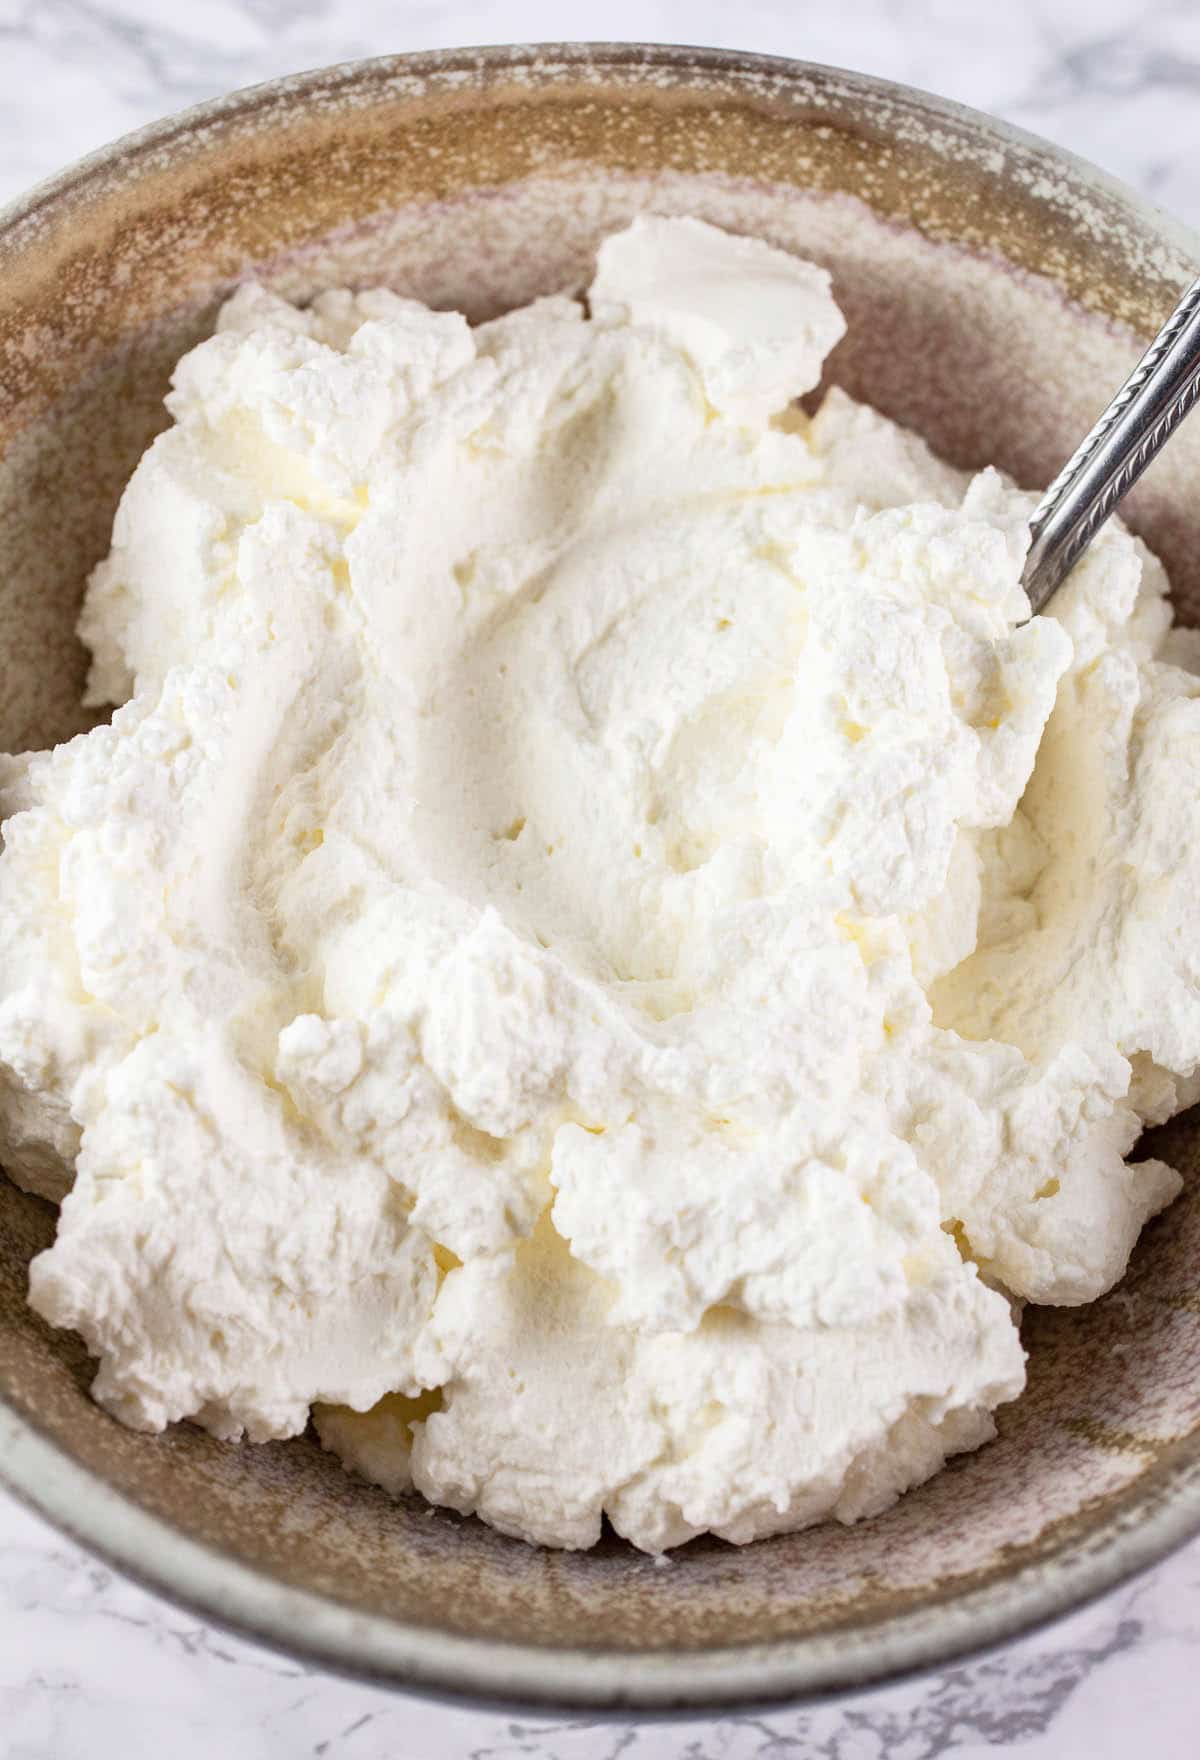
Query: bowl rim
{"type": "Point", "coordinates": [1147, 1523]}
{"type": "Point", "coordinates": [492, 1674]}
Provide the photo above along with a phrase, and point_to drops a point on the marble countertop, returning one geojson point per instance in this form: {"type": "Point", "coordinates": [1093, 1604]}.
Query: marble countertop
{"type": "Point", "coordinates": [92, 1668]}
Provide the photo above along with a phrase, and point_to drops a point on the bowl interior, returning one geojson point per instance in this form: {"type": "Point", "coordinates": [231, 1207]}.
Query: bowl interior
{"type": "Point", "coordinates": [994, 294]}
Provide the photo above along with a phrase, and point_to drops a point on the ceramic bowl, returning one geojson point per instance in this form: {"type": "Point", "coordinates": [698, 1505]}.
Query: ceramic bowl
{"type": "Point", "coordinates": [996, 290]}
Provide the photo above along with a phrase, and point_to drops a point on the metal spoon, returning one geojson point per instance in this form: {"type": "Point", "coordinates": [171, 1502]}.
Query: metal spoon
{"type": "Point", "coordinates": [1143, 415]}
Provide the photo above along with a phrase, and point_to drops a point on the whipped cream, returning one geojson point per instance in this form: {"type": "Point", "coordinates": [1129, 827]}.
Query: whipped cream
{"type": "Point", "coordinates": [601, 953]}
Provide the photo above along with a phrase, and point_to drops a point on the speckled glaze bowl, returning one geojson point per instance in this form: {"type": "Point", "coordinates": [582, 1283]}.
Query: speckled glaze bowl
{"type": "Point", "coordinates": [996, 289]}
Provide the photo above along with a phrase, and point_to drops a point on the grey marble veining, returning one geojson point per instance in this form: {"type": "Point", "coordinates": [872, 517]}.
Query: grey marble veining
{"type": "Point", "coordinates": [92, 1668]}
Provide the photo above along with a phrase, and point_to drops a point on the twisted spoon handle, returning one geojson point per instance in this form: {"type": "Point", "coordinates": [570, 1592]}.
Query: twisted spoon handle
{"type": "Point", "coordinates": [1143, 415]}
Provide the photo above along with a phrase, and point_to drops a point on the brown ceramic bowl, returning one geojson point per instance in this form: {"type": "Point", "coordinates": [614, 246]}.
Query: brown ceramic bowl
{"type": "Point", "coordinates": [994, 300]}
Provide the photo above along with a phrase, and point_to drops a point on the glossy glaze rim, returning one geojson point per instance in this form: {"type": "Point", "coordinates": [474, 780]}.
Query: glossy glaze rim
{"type": "Point", "coordinates": [1157, 1515]}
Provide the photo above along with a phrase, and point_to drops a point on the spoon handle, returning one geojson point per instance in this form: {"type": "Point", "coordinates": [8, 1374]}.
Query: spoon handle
{"type": "Point", "coordinates": [1142, 416]}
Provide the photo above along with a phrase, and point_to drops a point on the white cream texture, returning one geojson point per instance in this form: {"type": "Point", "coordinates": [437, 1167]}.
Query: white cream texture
{"type": "Point", "coordinates": [566, 959]}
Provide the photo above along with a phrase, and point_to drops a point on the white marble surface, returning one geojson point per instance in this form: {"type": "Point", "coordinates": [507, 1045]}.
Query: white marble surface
{"type": "Point", "coordinates": [94, 1669]}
